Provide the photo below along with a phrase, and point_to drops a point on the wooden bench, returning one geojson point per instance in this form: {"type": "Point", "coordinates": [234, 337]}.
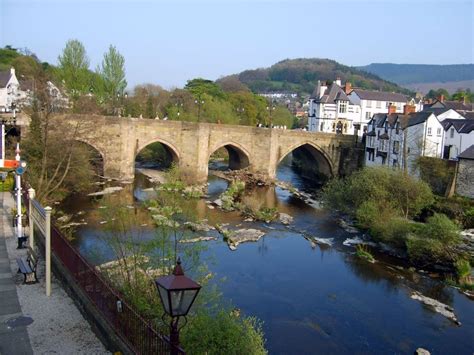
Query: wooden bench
{"type": "Point", "coordinates": [28, 267]}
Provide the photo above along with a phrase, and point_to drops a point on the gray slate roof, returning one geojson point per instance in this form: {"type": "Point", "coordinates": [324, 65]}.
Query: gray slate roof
{"type": "Point", "coordinates": [332, 94]}
{"type": "Point", "coordinates": [380, 95]}
{"type": "Point", "coordinates": [455, 105]}
{"type": "Point", "coordinates": [4, 78]}
{"type": "Point", "coordinates": [415, 118]}
{"type": "Point", "coordinates": [468, 153]}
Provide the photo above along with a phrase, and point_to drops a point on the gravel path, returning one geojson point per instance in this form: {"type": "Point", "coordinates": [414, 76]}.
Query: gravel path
{"type": "Point", "coordinates": [58, 327]}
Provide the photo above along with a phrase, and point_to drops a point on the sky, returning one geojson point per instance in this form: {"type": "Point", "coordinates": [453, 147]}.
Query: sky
{"type": "Point", "coordinates": [169, 42]}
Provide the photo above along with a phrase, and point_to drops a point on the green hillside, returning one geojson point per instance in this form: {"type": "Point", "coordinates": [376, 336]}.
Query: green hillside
{"type": "Point", "coordinates": [301, 76]}
{"type": "Point", "coordinates": [403, 74]}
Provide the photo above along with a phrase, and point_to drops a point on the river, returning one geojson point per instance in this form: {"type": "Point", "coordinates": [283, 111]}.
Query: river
{"type": "Point", "coordinates": [313, 299]}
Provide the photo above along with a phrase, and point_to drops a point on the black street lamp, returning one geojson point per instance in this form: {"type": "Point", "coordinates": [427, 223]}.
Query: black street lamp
{"type": "Point", "coordinates": [179, 106]}
{"type": "Point", "coordinates": [177, 294]}
{"type": "Point", "coordinates": [199, 102]}
{"type": "Point", "coordinates": [270, 109]}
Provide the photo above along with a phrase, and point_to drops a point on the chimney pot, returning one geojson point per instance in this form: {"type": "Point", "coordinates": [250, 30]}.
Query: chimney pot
{"type": "Point", "coordinates": [392, 108]}
{"type": "Point", "coordinates": [441, 98]}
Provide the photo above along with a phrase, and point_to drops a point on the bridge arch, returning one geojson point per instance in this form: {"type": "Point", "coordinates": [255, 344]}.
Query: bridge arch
{"type": "Point", "coordinates": [313, 152]}
{"type": "Point", "coordinates": [99, 161]}
{"type": "Point", "coordinates": [173, 154]}
{"type": "Point", "coordinates": [239, 156]}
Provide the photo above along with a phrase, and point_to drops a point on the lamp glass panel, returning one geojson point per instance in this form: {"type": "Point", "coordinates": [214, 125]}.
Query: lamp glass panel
{"type": "Point", "coordinates": [181, 301]}
{"type": "Point", "coordinates": [164, 298]}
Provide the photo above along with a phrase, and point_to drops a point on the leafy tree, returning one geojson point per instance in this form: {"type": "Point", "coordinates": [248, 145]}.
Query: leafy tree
{"type": "Point", "coordinates": [73, 69]}
{"type": "Point", "coordinates": [57, 163]}
{"type": "Point", "coordinates": [112, 81]}
{"type": "Point", "coordinates": [199, 87]}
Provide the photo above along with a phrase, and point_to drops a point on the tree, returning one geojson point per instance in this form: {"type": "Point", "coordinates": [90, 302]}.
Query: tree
{"type": "Point", "coordinates": [73, 69]}
{"type": "Point", "coordinates": [112, 74]}
{"type": "Point", "coordinates": [57, 163]}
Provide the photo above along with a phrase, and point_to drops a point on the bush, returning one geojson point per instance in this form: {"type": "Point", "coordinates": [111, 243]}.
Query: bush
{"type": "Point", "coordinates": [8, 184]}
{"type": "Point", "coordinates": [463, 271]}
{"type": "Point", "coordinates": [223, 333]}
{"type": "Point", "coordinates": [435, 241]}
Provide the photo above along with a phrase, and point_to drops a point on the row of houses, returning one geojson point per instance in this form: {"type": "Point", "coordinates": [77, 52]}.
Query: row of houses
{"type": "Point", "coordinates": [343, 109]}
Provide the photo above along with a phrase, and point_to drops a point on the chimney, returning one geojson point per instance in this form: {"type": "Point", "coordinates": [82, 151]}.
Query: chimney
{"type": "Point", "coordinates": [348, 88]}
{"type": "Point", "coordinates": [392, 108]}
{"type": "Point", "coordinates": [441, 98]}
{"type": "Point", "coordinates": [338, 81]}
{"type": "Point", "coordinates": [408, 109]}
{"type": "Point", "coordinates": [323, 89]}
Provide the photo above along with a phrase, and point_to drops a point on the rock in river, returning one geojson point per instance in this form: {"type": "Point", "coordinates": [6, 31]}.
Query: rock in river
{"type": "Point", "coordinates": [285, 219]}
{"type": "Point", "coordinates": [437, 306]}
{"type": "Point", "coordinates": [243, 235]}
{"type": "Point", "coordinates": [106, 191]}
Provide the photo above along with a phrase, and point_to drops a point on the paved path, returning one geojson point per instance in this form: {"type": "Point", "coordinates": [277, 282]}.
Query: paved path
{"type": "Point", "coordinates": [43, 325]}
{"type": "Point", "coordinates": [14, 337]}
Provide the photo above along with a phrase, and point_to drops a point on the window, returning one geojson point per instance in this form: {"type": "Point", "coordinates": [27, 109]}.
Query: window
{"type": "Point", "coordinates": [368, 115]}
{"type": "Point", "coordinates": [451, 133]}
{"type": "Point", "coordinates": [429, 131]}
{"type": "Point", "coordinates": [438, 132]}
{"type": "Point", "coordinates": [369, 103]}
{"type": "Point", "coordinates": [379, 104]}
{"type": "Point", "coordinates": [396, 147]}
{"type": "Point", "coordinates": [342, 106]}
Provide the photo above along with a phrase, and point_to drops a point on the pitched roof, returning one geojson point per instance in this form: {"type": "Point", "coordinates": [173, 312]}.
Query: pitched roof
{"type": "Point", "coordinates": [455, 105]}
{"type": "Point", "coordinates": [414, 118]}
{"type": "Point", "coordinates": [332, 94]}
{"type": "Point", "coordinates": [468, 127]}
{"type": "Point", "coordinates": [4, 78]}
{"type": "Point", "coordinates": [456, 123]}
{"type": "Point", "coordinates": [468, 153]}
{"type": "Point", "coordinates": [380, 95]}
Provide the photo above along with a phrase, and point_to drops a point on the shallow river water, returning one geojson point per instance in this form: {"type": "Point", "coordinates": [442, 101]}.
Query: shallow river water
{"type": "Point", "coordinates": [313, 299]}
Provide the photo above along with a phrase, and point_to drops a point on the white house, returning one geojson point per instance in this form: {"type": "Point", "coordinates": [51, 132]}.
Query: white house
{"type": "Point", "coordinates": [458, 136]}
{"type": "Point", "coordinates": [331, 110]}
{"type": "Point", "coordinates": [372, 102]}
{"type": "Point", "coordinates": [9, 90]}
{"type": "Point", "coordinates": [397, 140]}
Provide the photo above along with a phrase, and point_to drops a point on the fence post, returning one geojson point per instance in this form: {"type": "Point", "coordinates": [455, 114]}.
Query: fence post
{"type": "Point", "coordinates": [31, 196]}
{"type": "Point", "coordinates": [47, 254]}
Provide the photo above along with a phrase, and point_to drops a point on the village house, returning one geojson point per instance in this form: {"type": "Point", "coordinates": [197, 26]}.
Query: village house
{"type": "Point", "coordinates": [372, 102]}
{"type": "Point", "coordinates": [331, 110]}
{"type": "Point", "coordinates": [10, 92]}
{"type": "Point", "coordinates": [458, 136]}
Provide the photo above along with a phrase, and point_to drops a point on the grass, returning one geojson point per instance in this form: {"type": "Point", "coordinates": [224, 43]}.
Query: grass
{"type": "Point", "coordinates": [362, 252]}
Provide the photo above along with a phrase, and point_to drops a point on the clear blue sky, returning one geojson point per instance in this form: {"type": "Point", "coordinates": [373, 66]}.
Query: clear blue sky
{"type": "Point", "coordinates": [168, 42]}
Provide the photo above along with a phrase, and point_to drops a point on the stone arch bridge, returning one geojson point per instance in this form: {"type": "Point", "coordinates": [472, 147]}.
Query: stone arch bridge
{"type": "Point", "coordinates": [119, 140]}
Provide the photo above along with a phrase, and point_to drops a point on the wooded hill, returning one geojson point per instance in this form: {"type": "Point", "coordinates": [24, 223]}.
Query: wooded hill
{"type": "Point", "coordinates": [421, 73]}
{"type": "Point", "coordinates": [301, 76]}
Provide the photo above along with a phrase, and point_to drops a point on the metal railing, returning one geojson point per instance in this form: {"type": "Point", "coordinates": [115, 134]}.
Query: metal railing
{"type": "Point", "coordinates": [139, 334]}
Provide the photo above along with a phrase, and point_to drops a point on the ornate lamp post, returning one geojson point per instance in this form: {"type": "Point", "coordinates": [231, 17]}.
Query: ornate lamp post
{"type": "Point", "coordinates": [179, 106]}
{"type": "Point", "coordinates": [177, 294]}
{"type": "Point", "coordinates": [199, 102]}
{"type": "Point", "coordinates": [270, 109]}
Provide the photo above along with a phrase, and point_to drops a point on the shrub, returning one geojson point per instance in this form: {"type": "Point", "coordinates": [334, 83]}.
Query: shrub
{"type": "Point", "coordinates": [435, 241]}
{"type": "Point", "coordinates": [223, 333]}
{"type": "Point", "coordinates": [463, 271]}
